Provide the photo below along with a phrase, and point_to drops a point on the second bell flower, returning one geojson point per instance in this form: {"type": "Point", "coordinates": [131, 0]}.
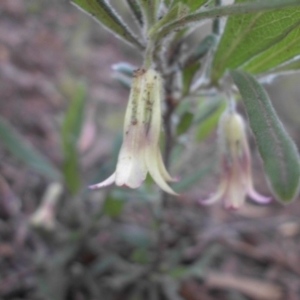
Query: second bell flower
{"type": "Point", "coordinates": [236, 176]}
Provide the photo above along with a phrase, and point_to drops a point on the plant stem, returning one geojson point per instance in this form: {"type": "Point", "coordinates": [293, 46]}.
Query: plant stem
{"type": "Point", "coordinates": [161, 209]}
{"type": "Point", "coordinates": [148, 59]}
{"type": "Point", "coordinates": [216, 22]}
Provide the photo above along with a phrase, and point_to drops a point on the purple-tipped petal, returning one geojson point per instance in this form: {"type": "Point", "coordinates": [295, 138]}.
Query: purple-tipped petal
{"type": "Point", "coordinates": [254, 195]}
{"type": "Point", "coordinates": [217, 196]}
{"type": "Point", "coordinates": [110, 180]}
{"type": "Point", "coordinates": [212, 199]}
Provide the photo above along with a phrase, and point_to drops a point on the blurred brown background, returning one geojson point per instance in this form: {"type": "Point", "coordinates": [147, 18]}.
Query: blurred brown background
{"type": "Point", "coordinates": [45, 47]}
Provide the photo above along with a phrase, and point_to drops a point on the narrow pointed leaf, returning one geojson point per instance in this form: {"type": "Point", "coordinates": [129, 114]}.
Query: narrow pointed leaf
{"type": "Point", "coordinates": [226, 10]}
{"type": "Point", "coordinates": [168, 2]}
{"type": "Point", "coordinates": [208, 124]}
{"type": "Point", "coordinates": [249, 35]}
{"type": "Point", "coordinates": [278, 151]}
{"type": "Point", "coordinates": [185, 123]}
{"type": "Point", "coordinates": [287, 68]}
{"type": "Point", "coordinates": [188, 74]}
{"type": "Point", "coordinates": [281, 52]}
{"type": "Point", "coordinates": [136, 10]}
{"type": "Point", "coordinates": [201, 50]}
{"type": "Point", "coordinates": [106, 15]}
{"type": "Point", "coordinates": [71, 129]}
{"type": "Point", "coordinates": [179, 10]}
{"type": "Point", "coordinates": [113, 207]}
{"type": "Point", "coordinates": [149, 10]}
{"type": "Point", "coordinates": [192, 4]}
{"type": "Point", "coordinates": [26, 152]}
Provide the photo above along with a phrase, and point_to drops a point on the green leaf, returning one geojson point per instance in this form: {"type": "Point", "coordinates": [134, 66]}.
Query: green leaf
{"type": "Point", "coordinates": [289, 67]}
{"type": "Point", "coordinates": [106, 15]}
{"type": "Point", "coordinates": [226, 10]}
{"type": "Point", "coordinates": [248, 35]}
{"type": "Point", "coordinates": [168, 2]}
{"type": "Point", "coordinates": [113, 207]}
{"type": "Point", "coordinates": [281, 52]}
{"type": "Point", "coordinates": [206, 109]}
{"type": "Point", "coordinates": [185, 123]}
{"type": "Point", "coordinates": [26, 152]}
{"type": "Point", "coordinates": [205, 45]}
{"type": "Point", "coordinates": [206, 127]}
{"type": "Point", "coordinates": [192, 4]}
{"type": "Point", "coordinates": [70, 133]}
{"type": "Point", "coordinates": [177, 11]}
{"type": "Point", "coordinates": [277, 149]}
{"type": "Point", "coordinates": [188, 74]}
{"type": "Point", "coordinates": [136, 10]}
{"type": "Point", "coordinates": [149, 10]}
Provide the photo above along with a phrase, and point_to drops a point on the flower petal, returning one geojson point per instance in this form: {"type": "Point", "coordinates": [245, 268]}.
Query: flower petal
{"type": "Point", "coordinates": [165, 174]}
{"type": "Point", "coordinates": [236, 188]}
{"type": "Point", "coordinates": [153, 107]}
{"type": "Point", "coordinates": [254, 195]}
{"type": "Point", "coordinates": [131, 169]}
{"type": "Point", "coordinates": [213, 198]}
{"type": "Point", "coordinates": [131, 172]}
{"type": "Point", "coordinates": [153, 168]}
{"type": "Point", "coordinates": [217, 196]}
{"type": "Point", "coordinates": [104, 183]}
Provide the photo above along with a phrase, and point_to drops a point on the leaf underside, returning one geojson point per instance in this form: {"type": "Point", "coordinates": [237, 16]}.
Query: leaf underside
{"type": "Point", "coordinates": [277, 149]}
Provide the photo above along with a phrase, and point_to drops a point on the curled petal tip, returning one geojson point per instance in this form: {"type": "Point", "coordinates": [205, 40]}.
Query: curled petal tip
{"type": "Point", "coordinates": [104, 183]}
{"type": "Point", "coordinates": [93, 187]}
{"type": "Point", "coordinates": [212, 199]}
{"type": "Point", "coordinates": [174, 194]}
{"type": "Point", "coordinates": [258, 197]}
{"type": "Point", "coordinates": [206, 202]}
{"type": "Point", "coordinates": [176, 179]}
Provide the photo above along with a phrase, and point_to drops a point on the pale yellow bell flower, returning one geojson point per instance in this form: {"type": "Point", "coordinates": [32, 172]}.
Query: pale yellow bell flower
{"type": "Point", "coordinates": [236, 176]}
{"type": "Point", "coordinates": [140, 151]}
{"type": "Point", "coordinates": [44, 216]}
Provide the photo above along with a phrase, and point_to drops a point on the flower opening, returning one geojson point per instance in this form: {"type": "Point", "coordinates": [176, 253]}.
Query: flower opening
{"type": "Point", "coordinates": [140, 151]}
{"type": "Point", "coordinates": [236, 182]}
